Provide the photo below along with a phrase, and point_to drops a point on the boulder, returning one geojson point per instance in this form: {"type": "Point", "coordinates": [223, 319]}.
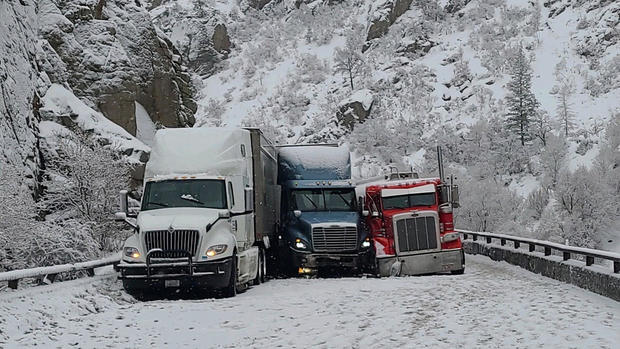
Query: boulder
{"type": "Point", "coordinates": [383, 14]}
{"type": "Point", "coordinates": [355, 109]}
{"type": "Point", "coordinates": [115, 61]}
{"type": "Point", "coordinates": [415, 48]}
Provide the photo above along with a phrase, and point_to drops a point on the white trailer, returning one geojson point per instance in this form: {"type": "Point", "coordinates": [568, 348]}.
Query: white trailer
{"type": "Point", "coordinates": [208, 214]}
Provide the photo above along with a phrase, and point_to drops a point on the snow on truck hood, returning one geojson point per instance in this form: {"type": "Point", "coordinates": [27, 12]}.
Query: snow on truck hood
{"type": "Point", "coordinates": [178, 218]}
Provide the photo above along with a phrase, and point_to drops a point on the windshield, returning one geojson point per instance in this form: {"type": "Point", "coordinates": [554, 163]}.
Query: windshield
{"type": "Point", "coordinates": [406, 201]}
{"type": "Point", "coordinates": [208, 193]}
{"type": "Point", "coordinates": [323, 199]}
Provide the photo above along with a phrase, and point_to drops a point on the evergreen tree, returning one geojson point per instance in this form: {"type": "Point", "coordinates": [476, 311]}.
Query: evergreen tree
{"type": "Point", "coordinates": [521, 102]}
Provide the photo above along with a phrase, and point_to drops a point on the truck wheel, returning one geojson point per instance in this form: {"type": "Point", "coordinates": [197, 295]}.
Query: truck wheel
{"type": "Point", "coordinates": [260, 277]}
{"type": "Point", "coordinates": [231, 290]}
{"type": "Point", "coordinates": [264, 274]}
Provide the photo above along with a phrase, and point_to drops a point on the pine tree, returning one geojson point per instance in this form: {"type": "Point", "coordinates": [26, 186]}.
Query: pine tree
{"type": "Point", "coordinates": [522, 104]}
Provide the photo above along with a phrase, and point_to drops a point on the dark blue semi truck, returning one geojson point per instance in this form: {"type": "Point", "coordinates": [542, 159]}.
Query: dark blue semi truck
{"type": "Point", "coordinates": [321, 223]}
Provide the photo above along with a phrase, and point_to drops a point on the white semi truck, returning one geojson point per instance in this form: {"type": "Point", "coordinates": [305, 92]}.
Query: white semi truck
{"type": "Point", "coordinates": [208, 214]}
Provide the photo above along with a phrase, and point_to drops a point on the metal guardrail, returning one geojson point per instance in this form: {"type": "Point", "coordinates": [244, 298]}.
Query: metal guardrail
{"type": "Point", "coordinates": [565, 250]}
{"type": "Point", "coordinates": [50, 273]}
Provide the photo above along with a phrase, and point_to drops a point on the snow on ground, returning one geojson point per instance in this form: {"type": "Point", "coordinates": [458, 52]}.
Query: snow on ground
{"type": "Point", "coordinates": [494, 305]}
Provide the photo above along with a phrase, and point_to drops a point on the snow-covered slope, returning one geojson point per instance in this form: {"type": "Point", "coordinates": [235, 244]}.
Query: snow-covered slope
{"type": "Point", "coordinates": [431, 72]}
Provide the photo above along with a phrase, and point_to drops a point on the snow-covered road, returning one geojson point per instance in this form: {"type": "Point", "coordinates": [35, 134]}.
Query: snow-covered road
{"type": "Point", "coordinates": [493, 305]}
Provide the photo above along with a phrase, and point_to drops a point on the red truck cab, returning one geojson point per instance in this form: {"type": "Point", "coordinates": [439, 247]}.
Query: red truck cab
{"type": "Point", "coordinates": [411, 224]}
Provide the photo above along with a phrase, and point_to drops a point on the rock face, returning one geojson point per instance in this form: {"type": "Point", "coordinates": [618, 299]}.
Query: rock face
{"type": "Point", "coordinates": [355, 109]}
{"type": "Point", "coordinates": [200, 34]}
{"type": "Point", "coordinates": [19, 93]}
{"type": "Point", "coordinates": [258, 4]}
{"type": "Point", "coordinates": [384, 14]}
{"type": "Point", "coordinates": [110, 53]}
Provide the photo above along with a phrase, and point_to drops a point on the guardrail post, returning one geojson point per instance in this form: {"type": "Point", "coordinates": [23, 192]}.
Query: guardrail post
{"type": "Point", "coordinates": [488, 239]}
{"type": "Point", "coordinates": [13, 284]}
{"type": "Point", "coordinates": [547, 251]}
{"type": "Point", "coordinates": [589, 260]}
{"type": "Point", "coordinates": [90, 272]}
{"type": "Point", "coordinates": [616, 267]}
{"type": "Point", "coordinates": [474, 237]}
{"type": "Point", "coordinates": [517, 244]}
{"type": "Point", "coordinates": [532, 247]}
{"type": "Point", "coordinates": [464, 236]}
{"type": "Point", "coordinates": [566, 255]}
{"type": "Point", "coordinates": [502, 242]}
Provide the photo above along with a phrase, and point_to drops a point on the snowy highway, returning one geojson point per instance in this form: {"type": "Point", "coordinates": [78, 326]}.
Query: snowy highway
{"type": "Point", "coordinates": [494, 305]}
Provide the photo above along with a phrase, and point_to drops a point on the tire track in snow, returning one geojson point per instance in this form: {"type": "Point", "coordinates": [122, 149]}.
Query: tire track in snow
{"type": "Point", "coordinates": [493, 305]}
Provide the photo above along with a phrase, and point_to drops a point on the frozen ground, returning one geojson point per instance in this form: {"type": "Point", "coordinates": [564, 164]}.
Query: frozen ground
{"type": "Point", "coordinates": [494, 305]}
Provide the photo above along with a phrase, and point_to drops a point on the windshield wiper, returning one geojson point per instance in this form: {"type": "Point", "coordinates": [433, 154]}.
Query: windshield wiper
{"type": "Point", "coordinates": [189, 197]}
{"type": "Point", "coordinates": [345, 201]}
{"type": "Point", "coordinates": [157, 203]}
{"type": "Point", "coordinates": [312, 202]}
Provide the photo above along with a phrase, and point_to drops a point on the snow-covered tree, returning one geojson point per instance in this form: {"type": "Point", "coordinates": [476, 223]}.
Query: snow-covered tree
{"type": "Point", "coordinates": [521, 102]}
{"type": "Point", "coordinates": [541, 126]}
{"type": "Point", "coordinates": [553, 158]}
{"type": "Point", "coordinates": [348, 60]}
{"type": "Point", "coordinates": [83, 179]}
{"type": "Point", "coordinates": [563, 91]}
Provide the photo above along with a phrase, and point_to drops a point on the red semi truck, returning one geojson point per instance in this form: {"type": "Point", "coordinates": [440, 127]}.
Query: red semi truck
{"type": "Point", "coordinates": [411, 224]}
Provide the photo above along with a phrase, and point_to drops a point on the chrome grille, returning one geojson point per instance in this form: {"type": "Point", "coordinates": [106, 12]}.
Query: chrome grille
{"type": "Point", "coordinates": [173, 243]}
{"type": "Point", "coordinates": [334, 238]}
{"type": "Point", "coordinates": [416, 234]}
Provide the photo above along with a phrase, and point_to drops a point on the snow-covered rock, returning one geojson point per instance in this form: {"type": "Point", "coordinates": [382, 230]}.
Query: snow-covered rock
{"type": "Point", "coordinates": [383, 14]}
{"type": "Point", "coordinates": [111, 55]}
{"type": "Point", "coordinates": [19, 89]}
{"type": "Point", "coordinates": [355, 109]}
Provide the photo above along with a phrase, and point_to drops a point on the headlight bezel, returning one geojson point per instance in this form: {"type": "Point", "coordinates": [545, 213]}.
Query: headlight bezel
{"type": "Point", "coordinates": [300, 244]}
{"type": "Point", "coordinates": [215, 250]}
{"type": "Point", "coordinates": [131, 252]}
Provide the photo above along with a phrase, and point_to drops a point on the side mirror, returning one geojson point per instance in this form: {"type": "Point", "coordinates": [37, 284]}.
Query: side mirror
{"type": "Point", "coordinates": [120, 216]}
{"type": "Point", "coordinates": [297, 213]}
{"type": "Point", "coordinates": [375, 214]}
{"type": "Point", "coordinates": [123, 201]}
{"type": "Point", "coordinates": [249, 199]}
{"type": "Point", "coordinates": [365, 213]}
{"type": "Point", "coordinates": [455, 196]}
{"type": "Point", "coordinates": [223, 214]}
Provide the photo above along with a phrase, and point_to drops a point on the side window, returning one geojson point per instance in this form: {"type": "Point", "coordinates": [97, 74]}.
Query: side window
{"type": "Point", "coordinates": [231, 194]}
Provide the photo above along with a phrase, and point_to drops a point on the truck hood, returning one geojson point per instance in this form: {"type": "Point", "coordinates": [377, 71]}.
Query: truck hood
{"type": "Point", "coordinates": [190, 218]}
{"type": "Point", "coordinates": [329, 217]}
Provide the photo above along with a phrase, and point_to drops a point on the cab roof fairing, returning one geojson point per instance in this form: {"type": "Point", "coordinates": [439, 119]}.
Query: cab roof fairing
{"type": "Point", "coordinates": [316, 184]}
{"type": "Point", "coordinates": [399, 184]}
{"type": "Point", "coordinates": [205, 151]}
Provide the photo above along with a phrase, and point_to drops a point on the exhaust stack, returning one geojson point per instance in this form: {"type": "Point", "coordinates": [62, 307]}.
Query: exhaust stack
{"type": "Point", "coordinates": [440, 164]}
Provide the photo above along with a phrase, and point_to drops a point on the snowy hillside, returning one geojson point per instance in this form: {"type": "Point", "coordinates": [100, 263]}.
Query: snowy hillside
{"type": "Point", "coordinates": [90, 81]}
{"type": "Point", "coordinates": [394, 78]}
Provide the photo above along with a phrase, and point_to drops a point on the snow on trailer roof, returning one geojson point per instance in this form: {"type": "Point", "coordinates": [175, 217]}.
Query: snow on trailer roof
{"type": "Point", "coordinates": [205, 150]}
{"type": "Point", "coordinates": [315, 162]}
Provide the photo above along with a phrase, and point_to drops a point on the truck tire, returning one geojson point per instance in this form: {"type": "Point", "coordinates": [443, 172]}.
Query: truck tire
{"type": "Point", "coordinates": [260, 277]}
{"type": "Point", "coordinates": [264, 274]}
{"type": "Point", "coordinates": [231, 289]}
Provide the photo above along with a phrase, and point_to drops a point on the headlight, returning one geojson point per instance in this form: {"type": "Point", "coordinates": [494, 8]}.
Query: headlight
{"type": "Point", "coordinates": [131, 252]}
{"type": "Point", "coordinates": [215, 250]}
{"type": "Point", "coordinates": [300, 244]}
{"type": "Point", "coordinates": [366, 243]}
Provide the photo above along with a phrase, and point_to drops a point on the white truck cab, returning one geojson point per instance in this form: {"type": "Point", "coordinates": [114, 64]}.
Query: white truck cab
{"type": "Point", "coordinates": [198, 225]}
